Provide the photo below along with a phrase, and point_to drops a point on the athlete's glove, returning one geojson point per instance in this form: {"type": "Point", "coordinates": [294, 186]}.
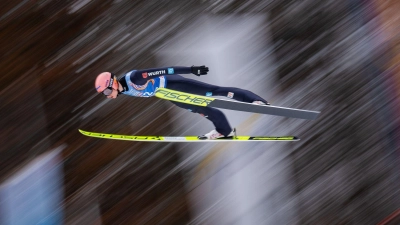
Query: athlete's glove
{"type": "Point", "coordinates": [199, 70]}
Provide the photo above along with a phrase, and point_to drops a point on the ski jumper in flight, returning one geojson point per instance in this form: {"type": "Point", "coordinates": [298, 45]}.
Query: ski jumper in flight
{"type": "Point", "coordinates": [144, 83]}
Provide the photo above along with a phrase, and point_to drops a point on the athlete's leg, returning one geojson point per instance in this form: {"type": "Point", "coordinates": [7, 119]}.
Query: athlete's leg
{"type": "Point", "coordinates": [180, 83]}
{"type": "Point", "coordinates": [214, 115]}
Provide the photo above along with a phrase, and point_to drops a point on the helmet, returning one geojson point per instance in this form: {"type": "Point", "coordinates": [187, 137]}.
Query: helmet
{"type": "Point", "coordinates": [105, 83]}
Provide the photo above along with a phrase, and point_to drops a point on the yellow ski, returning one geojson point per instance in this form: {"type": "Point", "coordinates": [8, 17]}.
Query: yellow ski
{"type": "Point", "coordinates": [185, 138]}
{"type": "Point", "coordinates": [199, 100]}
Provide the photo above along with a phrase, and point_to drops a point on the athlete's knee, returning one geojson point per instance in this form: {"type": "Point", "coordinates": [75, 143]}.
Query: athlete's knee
{"type": "Point", "coordinates": [194, 109]}
{"type": "Point", "coordinates": [212, 113]}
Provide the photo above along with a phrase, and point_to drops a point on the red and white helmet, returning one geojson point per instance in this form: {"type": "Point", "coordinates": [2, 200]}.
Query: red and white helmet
{"type": "Point", "coordinates": [105, 83]}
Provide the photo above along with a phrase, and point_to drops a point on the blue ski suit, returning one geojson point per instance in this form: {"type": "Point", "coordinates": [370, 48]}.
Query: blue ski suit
{"type": "Point", "coordinates": [144, 83]}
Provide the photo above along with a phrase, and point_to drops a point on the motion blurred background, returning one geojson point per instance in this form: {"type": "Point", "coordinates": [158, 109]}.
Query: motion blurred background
{"type": "Point", "coordinates": [340, 57]}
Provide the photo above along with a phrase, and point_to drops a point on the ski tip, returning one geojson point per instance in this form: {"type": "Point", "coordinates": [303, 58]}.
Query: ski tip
{"type": "Point", "coordinates": [82, 131]}
{"type": "Point", "coordinates": [296, 138]}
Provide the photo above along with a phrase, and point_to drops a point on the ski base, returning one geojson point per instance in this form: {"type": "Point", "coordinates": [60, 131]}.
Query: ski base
{"type": "Point", "coordinates": [186, 138]}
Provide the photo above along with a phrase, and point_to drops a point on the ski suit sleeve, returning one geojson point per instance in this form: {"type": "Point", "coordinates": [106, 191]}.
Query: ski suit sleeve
{"type": "Point", "coordinates": [140, 77]}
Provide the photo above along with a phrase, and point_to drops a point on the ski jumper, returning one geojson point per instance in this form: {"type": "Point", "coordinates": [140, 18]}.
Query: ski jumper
{"type": "Point", "coordinates": [144, 83]}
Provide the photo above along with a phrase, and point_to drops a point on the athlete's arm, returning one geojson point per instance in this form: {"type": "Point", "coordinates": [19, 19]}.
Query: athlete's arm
{"type": "Point", "coordinates": [140, 77]}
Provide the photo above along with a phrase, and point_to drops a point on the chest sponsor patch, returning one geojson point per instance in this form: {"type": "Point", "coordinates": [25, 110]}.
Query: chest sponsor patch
{"type": "Point", "coordinates": [159, 72]}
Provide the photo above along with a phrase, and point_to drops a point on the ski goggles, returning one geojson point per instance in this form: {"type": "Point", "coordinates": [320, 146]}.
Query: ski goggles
{"type": "Point", "coordinates": [108, 91]}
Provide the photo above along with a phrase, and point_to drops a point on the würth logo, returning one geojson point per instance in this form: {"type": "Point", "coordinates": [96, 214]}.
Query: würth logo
{"type": "Point", "coordinates": [160, 72]}
{"type": "Point", "coordinates": [144, 75]}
